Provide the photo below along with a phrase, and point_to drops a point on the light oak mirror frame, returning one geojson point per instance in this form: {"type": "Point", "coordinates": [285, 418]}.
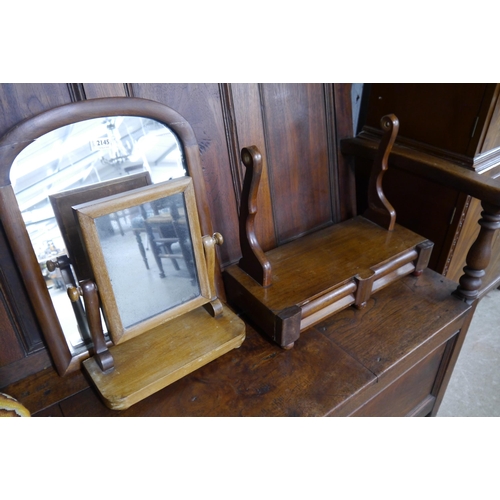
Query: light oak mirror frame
{"type": "Point", "coordinates": [21, 136]}
{"type": "Point", "coordinates": [88, 215]}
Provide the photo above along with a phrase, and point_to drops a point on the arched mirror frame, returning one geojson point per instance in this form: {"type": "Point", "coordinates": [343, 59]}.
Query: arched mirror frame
{"type": "Point", "coordinates": [21, 136]}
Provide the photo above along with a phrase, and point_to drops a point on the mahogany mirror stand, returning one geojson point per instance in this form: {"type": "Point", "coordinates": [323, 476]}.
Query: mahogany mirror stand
{"type": "Point", "coordinates": [292, 287]}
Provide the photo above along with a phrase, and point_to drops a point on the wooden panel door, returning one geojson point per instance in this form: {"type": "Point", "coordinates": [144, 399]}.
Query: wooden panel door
{"type": "Point", "coordinates": [297, 155]}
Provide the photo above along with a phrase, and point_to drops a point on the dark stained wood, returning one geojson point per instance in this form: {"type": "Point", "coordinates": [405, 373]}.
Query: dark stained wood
{"type": "Point", "coordinates": [24, 367]}
{"type": "Point", "coordinates": [379, 209]}
{"type": "Point", "coordinates": [414, 385]}
{"type": "Point", "coordinates": [393, 339]}
{"type": "Point", "coordinates": [492, 278]}
{"type": "Point", "coordinates": [247, 109]}
{"type": "Point", "coordinates": [322, 273]}
{"type": "Point", "coordinates": [76, 91]}
{"type": "Point", "coordinates": [19, 101]}
{"type": "Point", "coordinates": [233, 146]}
{"type": "Point", "coordinates": [431, 167]}
{"type": "Point", "coordinates": [253, 260]}
{"type": "Point", "coordinates": [474, 184]}
{"type": "Point", "coordinates": [469, 233]}
{"type": "Point", "coordinates": [479, 255]}
{"type": "Point", "coordinates": [382, 345]}
{"type": "Point", "coordinates": [461, 244]}
{"type": "Point", "coordinates": [448, 128]}
{"type": "Point", "coordinates": [258, 379]}
{"type": "Point", "coordinates": [205, 107]}
{"type": "Point", "coordinates": [22, 338]}
{"type": "Point", "coordinates": [307, 184]}
{"type": "Point", "coordinates": [97, 90]}
{"type": "Point", "coordinates": [340, 126]}
{"type": "Point", "coordinates": [17, 307]}
{"type": "Point", "coordinates": [297, 158]}
{"type": "Point", "coordinates": [440, 115]}
{"type": "Point", "coordinates": [32, 277]}
{"type": "Point", "coordinates": [450, 357]}
{"type": "Point", "coordinates": [10, 350]}
{"type": "Point", "coordinates": [325, 373]}
{"type": "Point", "coordinates": [440, 221]}
{"type": "Point", "coordinates": [45, 388]}
{"type": "Point", "coordinates": [490, 136]}
{"type": "Point", "coordinates": [51, 411]}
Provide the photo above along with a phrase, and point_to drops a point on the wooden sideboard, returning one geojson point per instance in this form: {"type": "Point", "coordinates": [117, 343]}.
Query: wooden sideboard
{"type": "Point", "coordinates": [392, 358]}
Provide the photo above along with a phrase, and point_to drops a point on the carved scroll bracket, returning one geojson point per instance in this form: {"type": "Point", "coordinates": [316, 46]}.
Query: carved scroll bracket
{"type": "Point", "coordinates": [379, 209]}
{"type": "Point", "coordinates": [253, 261]}
{"type": "Point", "coordinates": [479, 254]}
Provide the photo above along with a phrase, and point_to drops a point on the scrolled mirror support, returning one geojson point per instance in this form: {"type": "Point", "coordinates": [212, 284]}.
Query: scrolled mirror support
{"type": "Point", "coordinates": [88, 290]}
{"type": "Point", "coordinates": [209, 242]}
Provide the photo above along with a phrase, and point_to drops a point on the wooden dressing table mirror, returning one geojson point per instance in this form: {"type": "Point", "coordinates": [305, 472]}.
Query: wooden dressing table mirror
{"type": "Point", "coordinates": [157, 323]}
{"type": "Point", "coordinates": [78, 153]}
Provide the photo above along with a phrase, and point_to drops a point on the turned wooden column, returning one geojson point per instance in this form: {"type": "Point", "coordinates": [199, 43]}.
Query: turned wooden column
{"type": "Point", "coordinates": [479, 254]}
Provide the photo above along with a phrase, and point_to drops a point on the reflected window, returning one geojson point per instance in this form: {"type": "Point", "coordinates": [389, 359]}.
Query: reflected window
{"type": "Point", "coordinates": [79, 155]}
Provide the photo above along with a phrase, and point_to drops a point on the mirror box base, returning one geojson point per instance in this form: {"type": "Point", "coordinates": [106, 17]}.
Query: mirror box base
{"type": "Point", "coordinates": [150, 362]}
{"type": "Point", "coordinates": [324, 272]}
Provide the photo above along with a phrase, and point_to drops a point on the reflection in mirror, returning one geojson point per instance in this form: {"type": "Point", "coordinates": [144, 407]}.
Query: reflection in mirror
{"type": "Point", "coordinates": [78, 155]}
{"type": "Point", "coordinates": [162, 226]}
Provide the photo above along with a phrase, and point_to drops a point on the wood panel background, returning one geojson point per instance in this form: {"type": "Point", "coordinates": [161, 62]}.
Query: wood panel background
{"type": "Point", "coordinates": [306, 183]}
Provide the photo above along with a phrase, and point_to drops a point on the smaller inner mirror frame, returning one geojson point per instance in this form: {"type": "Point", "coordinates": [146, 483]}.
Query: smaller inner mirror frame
{"type": "Point", "coordinates": [136, 299]}
{"type": "Point", "coordinates": [74, 164]}
{"type": "Point", "coordinates": [22, 135]}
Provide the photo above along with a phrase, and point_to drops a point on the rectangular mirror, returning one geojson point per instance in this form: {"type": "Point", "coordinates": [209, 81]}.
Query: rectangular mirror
{"type": "Point", "coordinates": [160, 221]}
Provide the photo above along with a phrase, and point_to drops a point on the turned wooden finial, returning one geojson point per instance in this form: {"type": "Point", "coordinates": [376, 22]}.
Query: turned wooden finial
{"type": "Point", "coordinates": [479, 254]}
{"type": "Point", "coordinates": [379, 209]}
{"type": "Point", "coordinates": [253, 261]}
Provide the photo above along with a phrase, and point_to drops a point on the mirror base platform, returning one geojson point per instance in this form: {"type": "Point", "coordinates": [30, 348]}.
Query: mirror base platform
{"type": "Point", "coordinates": [151, 361]}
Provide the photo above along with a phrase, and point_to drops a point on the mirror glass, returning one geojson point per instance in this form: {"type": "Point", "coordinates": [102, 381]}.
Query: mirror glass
{"type": "Point", "coordinates": [170, 279]}
{"type": "Point", "coordinates": [78, 155]}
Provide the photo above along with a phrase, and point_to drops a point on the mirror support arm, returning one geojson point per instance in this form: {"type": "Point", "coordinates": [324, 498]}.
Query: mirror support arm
{"type": "Point", "coordinates": [214, 307]}
{"type": "Point", "coordinates": [64, 265]}
{"type": "Point", "coordinates": [88, 290]}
